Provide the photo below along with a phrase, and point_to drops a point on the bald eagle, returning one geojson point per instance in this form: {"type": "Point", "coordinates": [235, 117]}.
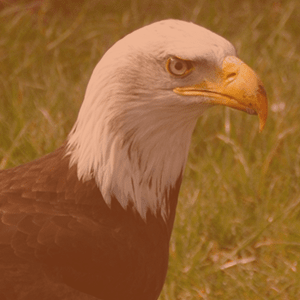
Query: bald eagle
{"type": "Point", "coordinates": [93, 219]}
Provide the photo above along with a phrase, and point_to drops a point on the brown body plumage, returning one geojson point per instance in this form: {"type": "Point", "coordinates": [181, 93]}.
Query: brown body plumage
{"type": "Point", "coordinates": [55, 229]}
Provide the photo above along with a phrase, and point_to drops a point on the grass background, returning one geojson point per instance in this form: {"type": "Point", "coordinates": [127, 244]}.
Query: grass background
{"type": "Point", "coordinates": [237, 230]}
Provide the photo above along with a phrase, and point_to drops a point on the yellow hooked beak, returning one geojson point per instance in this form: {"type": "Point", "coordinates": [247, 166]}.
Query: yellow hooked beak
{"type": "Point", "coordinates": [236, 86]}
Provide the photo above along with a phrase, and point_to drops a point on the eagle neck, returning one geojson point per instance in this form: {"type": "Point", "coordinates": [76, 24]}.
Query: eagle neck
{"type": "Point", "coordinates": [140, 164]}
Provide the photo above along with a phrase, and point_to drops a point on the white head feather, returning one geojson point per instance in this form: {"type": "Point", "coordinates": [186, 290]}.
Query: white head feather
{"type": "Point", "coordinates": [133, 132]}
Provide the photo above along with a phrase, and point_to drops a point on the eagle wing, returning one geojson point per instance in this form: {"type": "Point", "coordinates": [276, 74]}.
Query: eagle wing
{"type": "Point", "coordinates": [57, 234]}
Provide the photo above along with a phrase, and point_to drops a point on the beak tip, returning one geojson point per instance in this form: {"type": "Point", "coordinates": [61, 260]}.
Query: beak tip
{"type": "Point", "coordinates": [262, 122]}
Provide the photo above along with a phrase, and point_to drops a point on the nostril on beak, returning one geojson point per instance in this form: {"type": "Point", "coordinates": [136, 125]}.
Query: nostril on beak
{"type": "Point", "coordinates": [231, 76]}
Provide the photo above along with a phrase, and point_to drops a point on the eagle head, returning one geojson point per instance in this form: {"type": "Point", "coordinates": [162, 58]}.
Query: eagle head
{"type": "Point", "coordinates": [142, 103]}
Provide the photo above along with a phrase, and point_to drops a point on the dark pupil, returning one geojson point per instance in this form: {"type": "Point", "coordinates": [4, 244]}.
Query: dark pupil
{"type": "Point", "coordinates": [178, 66]}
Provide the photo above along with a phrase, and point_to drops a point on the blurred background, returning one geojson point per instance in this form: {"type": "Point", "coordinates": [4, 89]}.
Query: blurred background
{"type": "Point", "coordinates": [237, 230]}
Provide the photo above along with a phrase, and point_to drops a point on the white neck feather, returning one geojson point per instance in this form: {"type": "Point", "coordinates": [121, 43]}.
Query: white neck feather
{"type": "Point", "coordinates": [134, 144]}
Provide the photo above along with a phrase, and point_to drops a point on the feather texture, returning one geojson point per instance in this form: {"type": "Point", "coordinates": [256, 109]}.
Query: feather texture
{"type": "Point", "coordinates": [69, 243]}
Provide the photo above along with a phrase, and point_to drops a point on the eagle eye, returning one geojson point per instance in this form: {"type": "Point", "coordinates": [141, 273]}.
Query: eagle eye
{"type": "Point", "coordinates": [178, 67]}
